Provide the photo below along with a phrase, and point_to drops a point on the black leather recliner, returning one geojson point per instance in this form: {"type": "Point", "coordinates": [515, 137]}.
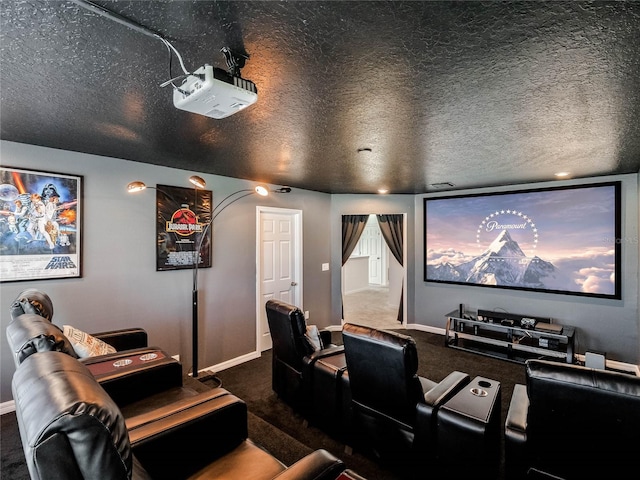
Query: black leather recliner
{"type": "Point", "coordinates": [393, 410]}
{"type": "Point", "coordinates": [572, 422]}
{"type": "Point", "coordinates": [70, 428]}
{"type": "Point", "coordinates": [32, 330]}
{"type": "Point", "coordinates": [294, 354]}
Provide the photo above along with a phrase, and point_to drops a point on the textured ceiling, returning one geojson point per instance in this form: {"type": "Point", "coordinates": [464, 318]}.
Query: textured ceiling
{"type": "Point", "coordinates": [472, 93]}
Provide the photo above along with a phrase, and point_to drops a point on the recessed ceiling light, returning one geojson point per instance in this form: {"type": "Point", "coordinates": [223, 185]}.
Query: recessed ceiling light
{"type": "Point", "coordinates": [562, 174]}
{"type": "Point", "coordinates": [382, 191]}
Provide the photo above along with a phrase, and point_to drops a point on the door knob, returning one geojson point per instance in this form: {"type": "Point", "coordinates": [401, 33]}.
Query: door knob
{"type": "Point", "coordinates": [293, 284]}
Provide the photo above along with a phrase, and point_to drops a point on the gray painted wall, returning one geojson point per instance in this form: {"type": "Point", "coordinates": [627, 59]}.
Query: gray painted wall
{"type": "Point", "coordinates": [120, 287]}
{"type": "Point", "coordinates": [609, 326]}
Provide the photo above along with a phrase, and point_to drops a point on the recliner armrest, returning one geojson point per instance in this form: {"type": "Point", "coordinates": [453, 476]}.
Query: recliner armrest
{"type": "Point", "coordinates": [446, 389]}
{"type": "Point", "coordinates": [309, 361]}
{"type": "Point", "coordinates": [190, 404]}
{"type": "Point", "coordinates": [318, 465]}
{"type": "Point", "coordinates": [515, 433]}
{"type": "Point", "coordinates": [425, 434]}
{"type": "Point", "coordinates": [124, 339]}
{"type": "Point", "coordinates": [131, 383]}
{"type": "Point", "coordinates": [180, 439]}
{"type": "Point", "coordinates": [325, 352]}
{"type": "Point", "coordinates": [516, 422]}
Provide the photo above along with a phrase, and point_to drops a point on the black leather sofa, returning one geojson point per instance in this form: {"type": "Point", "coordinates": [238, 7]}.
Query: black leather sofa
{"type": "Point", "coordinates": [393, 410]}
{"type": "Point", "coordinates": [70, 428]}
{"type": "Point", "coordinates": [572, 422]}
{"type": "Point", "coordinates": [31, 330]}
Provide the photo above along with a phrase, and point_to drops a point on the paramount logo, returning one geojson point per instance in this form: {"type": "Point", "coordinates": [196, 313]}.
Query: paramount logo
{"type": "Point", "coordinates": [493, 225]}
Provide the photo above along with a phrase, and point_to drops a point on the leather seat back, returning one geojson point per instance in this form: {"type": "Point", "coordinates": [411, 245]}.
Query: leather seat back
{"type": "Point", "coordinates": [383, 369]}
{"type": "Point", "coordinates": [288, 327]}
{"type": "Point", "coordinates": [70, 428]}
{"type": "Point", "coordinates": [592, 413]}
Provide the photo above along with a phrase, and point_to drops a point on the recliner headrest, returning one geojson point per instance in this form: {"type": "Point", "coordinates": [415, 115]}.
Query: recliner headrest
{"type": "Point", "coordinates": [30, 333]}
{"type": "Point", "coordinates": [391, 340]}
{"type": "Point", "coordinates": [546, 376]}
{"type": "Point", "coordinates": [32, 301]}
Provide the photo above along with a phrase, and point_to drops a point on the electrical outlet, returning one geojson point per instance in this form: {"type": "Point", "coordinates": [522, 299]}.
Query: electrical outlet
{"type": "Point", "coordinates": [306, 315]}
{"type": "Point", "coordinates": [325, 267]}
{"type": "Point", "coordinates": [176, 357]}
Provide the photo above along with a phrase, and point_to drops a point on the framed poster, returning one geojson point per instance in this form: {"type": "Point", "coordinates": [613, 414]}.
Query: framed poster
{"type": "Point", "coordinates": [183, 227]}
{"type": "Point", "coordinates": [40, 225]}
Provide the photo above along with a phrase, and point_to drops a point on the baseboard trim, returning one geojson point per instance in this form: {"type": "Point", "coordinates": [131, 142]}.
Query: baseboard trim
{"type": "Point", "coordinates": [415, 326]}
{"type": "Point", "coordinates": [230, 363]}
{"type": "Point", "coordinates": [615, 365]}
{"type": "Point", "coordinates": [7, 407]}
{"type": "Point", "coordinates": [427, 328]}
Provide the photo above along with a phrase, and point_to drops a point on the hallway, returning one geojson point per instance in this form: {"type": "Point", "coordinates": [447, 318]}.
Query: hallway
{"type": "Point", "coordinates": [370, 307]}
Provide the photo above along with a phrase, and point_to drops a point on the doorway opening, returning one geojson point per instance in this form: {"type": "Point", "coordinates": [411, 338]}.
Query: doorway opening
{"type": "Point", "coordinates": [372, 281]}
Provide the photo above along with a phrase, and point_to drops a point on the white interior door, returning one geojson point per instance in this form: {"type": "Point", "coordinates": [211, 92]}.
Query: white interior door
{"type": "Point", "coordinates": [279, 263]}
{"type": "Point", "coordinates": [372, 239]}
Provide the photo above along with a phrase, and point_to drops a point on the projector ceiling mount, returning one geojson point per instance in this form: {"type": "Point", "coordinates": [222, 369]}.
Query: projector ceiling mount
{"type": "Point", "coordinates": [214, 93]}
{"type": "Point", "coordinates": [234, 61]}
{"type": "Point", "coordinates": [207, 91]}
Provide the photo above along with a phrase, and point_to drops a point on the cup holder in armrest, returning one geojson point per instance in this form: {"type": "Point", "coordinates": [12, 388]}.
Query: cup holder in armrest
{"type": "Point", "coordinates": [478, 392]}
{"type": "Point", "coordinates": [122, 363]}
{"type": "Point", "coordinates": [484, 384]}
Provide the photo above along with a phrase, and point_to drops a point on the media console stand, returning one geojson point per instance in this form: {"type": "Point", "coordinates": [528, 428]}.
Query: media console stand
{"type": "Point", "coordinates": [507, 339]}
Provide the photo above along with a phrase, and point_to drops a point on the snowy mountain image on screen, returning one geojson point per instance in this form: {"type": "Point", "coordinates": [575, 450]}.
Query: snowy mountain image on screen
{"type": "Point", "coordinates": [503, 263]}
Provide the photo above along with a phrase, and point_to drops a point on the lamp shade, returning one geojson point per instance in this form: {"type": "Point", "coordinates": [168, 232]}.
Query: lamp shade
{"type": "Point", "coordinates": [197, 181]}
{"type": "Point", "coordinates": [262, 190]}
{"type": "Point", "coordinates": [136, 186]}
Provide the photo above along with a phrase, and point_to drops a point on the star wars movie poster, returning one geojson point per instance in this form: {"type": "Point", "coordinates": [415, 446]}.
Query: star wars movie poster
{"type": "Point", "coordinates": [183, 227]}
{"type": "Point", "coordinates": [40, 225]}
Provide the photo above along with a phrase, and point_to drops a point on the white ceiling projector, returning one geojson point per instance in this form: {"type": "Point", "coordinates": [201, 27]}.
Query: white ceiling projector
{"type": "Point", "coordinates": [214, 93]}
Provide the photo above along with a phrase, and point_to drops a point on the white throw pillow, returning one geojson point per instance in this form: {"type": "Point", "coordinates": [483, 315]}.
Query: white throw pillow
{"type": "Point", "coordinates": [314, 337]}
{"type": "Point", "coordinates": [86, 345]}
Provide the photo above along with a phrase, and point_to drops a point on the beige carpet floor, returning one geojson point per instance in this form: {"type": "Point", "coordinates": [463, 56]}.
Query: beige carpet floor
{"type": "Point", "coordinates": [371, 307]}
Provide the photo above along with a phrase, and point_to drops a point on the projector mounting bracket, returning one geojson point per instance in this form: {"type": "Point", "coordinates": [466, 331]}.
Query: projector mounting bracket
{"type": "Point", "coordinates": [234, 61]}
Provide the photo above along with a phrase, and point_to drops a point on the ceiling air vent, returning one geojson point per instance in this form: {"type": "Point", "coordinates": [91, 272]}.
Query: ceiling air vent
{"type": "Point", "coordinates": [442, 185]}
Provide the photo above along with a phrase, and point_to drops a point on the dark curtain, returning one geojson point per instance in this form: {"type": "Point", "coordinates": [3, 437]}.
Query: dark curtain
{"type": "Point", "coordinates": [352, 228]}
{"type": "Point", "coordinates": [391, 228]}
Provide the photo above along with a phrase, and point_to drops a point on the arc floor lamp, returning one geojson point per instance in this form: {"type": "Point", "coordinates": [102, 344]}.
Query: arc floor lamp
{"type": "Point", "coordinates": [199, 183]}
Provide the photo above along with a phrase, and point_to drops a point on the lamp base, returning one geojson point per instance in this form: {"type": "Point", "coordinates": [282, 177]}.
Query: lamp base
{"type": "Point", "coordinates": [210, 379]}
